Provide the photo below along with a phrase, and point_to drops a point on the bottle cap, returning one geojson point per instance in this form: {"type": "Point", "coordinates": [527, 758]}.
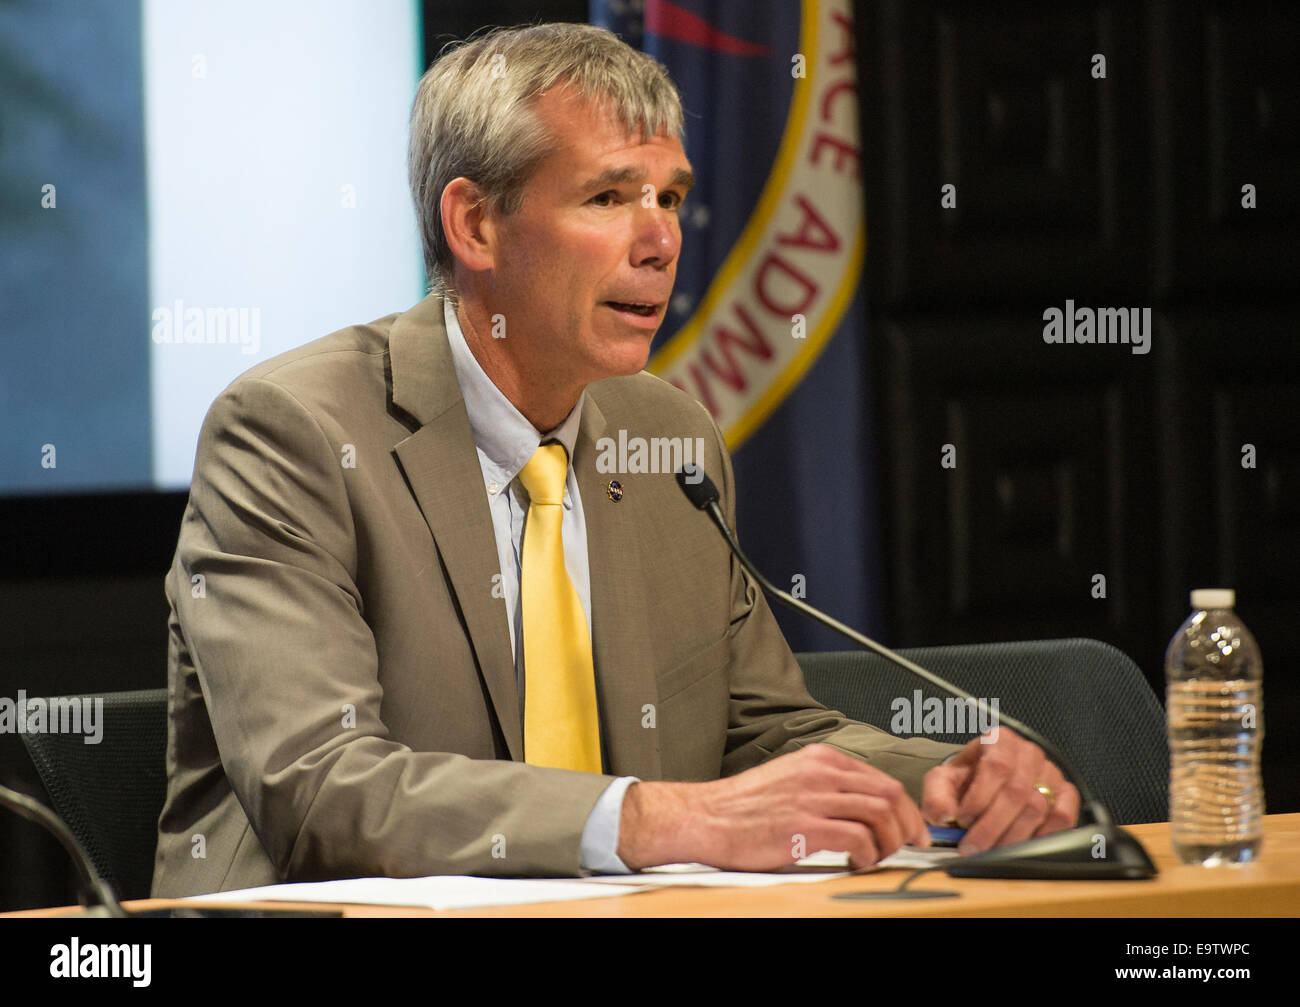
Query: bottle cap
{"type": "Point", "coordinates": [1214, 597]}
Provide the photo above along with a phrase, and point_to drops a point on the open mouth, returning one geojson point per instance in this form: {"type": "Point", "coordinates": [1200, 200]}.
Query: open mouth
{"type": "Point", "coordinates": [645, 310]}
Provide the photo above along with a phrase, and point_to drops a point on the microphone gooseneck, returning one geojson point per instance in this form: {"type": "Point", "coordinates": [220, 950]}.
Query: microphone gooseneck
{"type": "Point", "coordinates": [1095, 848]}
{"type": "Point", "coordinates": [96, 894]}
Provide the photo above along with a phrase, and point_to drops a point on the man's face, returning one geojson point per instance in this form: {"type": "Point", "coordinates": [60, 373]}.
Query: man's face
{"type": "Point", "coordinates": [584, 246]}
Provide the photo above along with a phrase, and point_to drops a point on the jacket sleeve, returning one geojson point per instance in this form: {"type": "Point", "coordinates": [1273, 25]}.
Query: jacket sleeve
{"type": "Point", "coordinates": [771, 711]}
{"type": "Point", "coordinates": [264, 586]}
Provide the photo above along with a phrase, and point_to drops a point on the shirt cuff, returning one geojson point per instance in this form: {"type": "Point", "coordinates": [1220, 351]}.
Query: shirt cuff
{"type": "Point", "coordinates": [600, 836]}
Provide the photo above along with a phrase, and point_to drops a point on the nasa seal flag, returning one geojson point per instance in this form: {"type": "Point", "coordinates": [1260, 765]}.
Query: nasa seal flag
{"type": "Point", "coordinates": [785, 284]}
{"type": "Point", "coordinates": [767, 324]}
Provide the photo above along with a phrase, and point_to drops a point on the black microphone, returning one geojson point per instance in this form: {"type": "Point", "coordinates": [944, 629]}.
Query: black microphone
{"type": "Point", "coordinates": [94, 893]}
{"type": "Point", "coordinates": [1097, 848]}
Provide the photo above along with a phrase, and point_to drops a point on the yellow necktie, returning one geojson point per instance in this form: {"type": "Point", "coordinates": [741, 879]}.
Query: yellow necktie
{"type": "Point", "coordinates": [560, 724]}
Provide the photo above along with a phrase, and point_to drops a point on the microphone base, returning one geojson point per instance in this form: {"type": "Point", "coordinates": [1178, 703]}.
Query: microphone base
{"type": "Point", "coordinates": [1084, 853]}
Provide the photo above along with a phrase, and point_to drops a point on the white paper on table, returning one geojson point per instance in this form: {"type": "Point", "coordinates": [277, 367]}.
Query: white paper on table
{"type": "Point", "coordinates": [462, 892]}
{"type": "Point", "coordinates": [820, 866]}
{"type": "Point", "coordinates": [919, 856]}
{"type": "Point", "coordinates": [904, 856]}
{"type": "Point", "coordinates": [700, 875]}
{"type": "Point", "coordinates": [438, 892]}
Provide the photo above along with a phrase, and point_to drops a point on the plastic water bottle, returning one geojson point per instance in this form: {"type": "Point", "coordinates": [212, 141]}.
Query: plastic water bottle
{"type": "Point", "coordinates": [1215, 704]}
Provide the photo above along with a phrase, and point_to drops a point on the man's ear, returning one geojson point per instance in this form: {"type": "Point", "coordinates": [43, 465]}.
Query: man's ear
{"type": "Point", "coordinates": [467, 224]}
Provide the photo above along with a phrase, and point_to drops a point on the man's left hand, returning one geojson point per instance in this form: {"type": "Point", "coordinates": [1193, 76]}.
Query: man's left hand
{"type": "Point", "coordinates": [991, 790]}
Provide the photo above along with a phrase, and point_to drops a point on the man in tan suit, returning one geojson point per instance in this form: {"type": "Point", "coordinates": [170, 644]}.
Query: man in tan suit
{"type": "Point", "coordinates": [346, 667]}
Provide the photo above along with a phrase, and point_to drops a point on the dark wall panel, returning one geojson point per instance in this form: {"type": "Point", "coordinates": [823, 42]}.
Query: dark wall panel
{"type": "Point", "coordinates": [1078, 460]}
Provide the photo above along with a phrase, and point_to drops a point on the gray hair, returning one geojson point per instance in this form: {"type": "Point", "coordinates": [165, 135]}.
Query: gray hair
{"type": "Point", "coordinates": [474, 115]}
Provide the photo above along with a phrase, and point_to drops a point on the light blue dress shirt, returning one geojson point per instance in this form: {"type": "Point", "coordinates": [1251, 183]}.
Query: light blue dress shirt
{"type": "Point", "coordinates": [505, 440]}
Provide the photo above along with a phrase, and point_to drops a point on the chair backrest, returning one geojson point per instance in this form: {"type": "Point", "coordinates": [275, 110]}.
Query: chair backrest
{"type": "Point", "coordinates": [1085, 696]}
{"type": "Point", "coordinates": [110, 793]}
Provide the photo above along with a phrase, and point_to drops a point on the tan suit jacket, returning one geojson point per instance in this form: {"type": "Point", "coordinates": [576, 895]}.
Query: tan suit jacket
{"type": "Point", "coordinates": [342, 686]}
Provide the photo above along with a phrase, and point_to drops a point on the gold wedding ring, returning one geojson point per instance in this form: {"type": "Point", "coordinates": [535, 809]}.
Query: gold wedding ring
{"type": "Point", "coordinates": [1047, 792]}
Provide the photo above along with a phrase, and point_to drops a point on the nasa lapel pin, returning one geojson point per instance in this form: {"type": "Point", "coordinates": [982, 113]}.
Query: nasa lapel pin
{"type": "Point", "coordinates": [615, 490]}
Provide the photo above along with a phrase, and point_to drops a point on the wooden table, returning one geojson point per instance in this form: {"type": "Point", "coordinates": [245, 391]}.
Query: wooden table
{"type": "Point", "coordinates": [1270, 887]}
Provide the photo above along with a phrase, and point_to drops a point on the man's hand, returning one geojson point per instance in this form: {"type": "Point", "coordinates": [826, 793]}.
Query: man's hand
{"type": "Point", "coordinates": [814, 799]}
{"type": "Point", "coordinates": [991, 791]}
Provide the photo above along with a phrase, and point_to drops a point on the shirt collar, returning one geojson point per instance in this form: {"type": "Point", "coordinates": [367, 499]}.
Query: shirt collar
{"type": "Point", "coordinates": [505, 437]}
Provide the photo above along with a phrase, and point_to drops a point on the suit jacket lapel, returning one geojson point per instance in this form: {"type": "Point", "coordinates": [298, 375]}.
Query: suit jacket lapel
{"type": "Point", "coordinates": [442, 468]}
{"type": "Point", "coordinates": [621, 638]}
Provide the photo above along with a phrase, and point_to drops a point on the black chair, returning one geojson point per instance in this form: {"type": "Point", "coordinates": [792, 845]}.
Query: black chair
{"type": "Point", "coordinates": [1084, 696]}
{"type": "Point", "coordinates": [111, 793]}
